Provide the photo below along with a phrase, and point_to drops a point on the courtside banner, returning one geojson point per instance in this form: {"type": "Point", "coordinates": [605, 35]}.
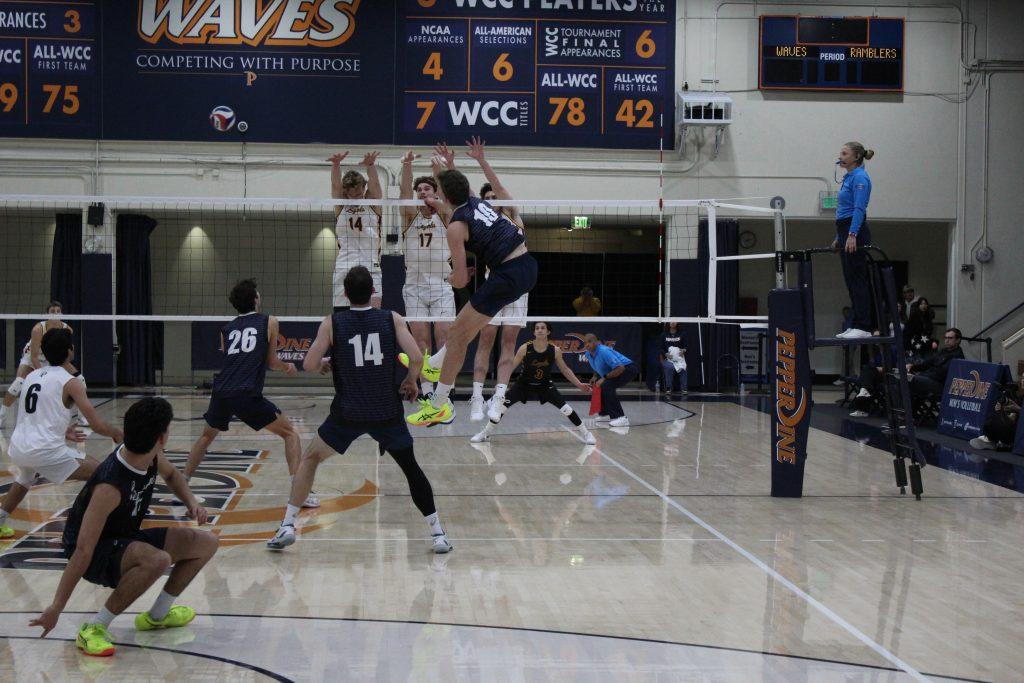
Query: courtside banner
{"type": "Point", "coordinates": [790, 400]}
{"type": "Point", "coordinates": [1018, 442]}
{"type": "Point", "coordinates": [293, 341]}
{"type": "Point", "coordinates": [970, 395]}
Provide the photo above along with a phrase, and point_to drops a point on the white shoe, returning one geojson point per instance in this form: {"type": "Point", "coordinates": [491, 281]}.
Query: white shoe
{"type": "Point", "coordinates": [602, 418]}
{"type": "Point", "coordinates": [619, 422]}
{"type": "Point", "coordinates": [496, 409]}
{"type": "Point", "coordinates": [982, 443]}
{"type": "Point", "coordinates": [476, 408]}
{"type": "Point", "coordinates": [863, 393]}
{"type": "Point", "coordinates": [854, 333]}
{"type": "Point", "coordinates": [441, 545]}
{"type": "Point", "coordinates": [312, 500]}
{"type": "Point", "coordinates": [483, 449]}
{"type": "Point", "coordinates": [586, 435]}
{"type": "Point", "coordinates": [859, 413]}
{"type": "Point", "coordinates": [838, 383]}
{"type": "Point", "coordinates": [481, 436]}
{"type": "Point", "coordinates": [284, 537]}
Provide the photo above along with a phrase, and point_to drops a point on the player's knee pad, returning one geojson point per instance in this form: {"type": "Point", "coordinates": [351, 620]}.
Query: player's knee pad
{"type": "Point", "coordinates": [15, 388]}
{"type": "Point", "coordinates": [566, 409]}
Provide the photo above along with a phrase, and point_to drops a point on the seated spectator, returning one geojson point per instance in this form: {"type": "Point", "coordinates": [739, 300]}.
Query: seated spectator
{"type": "Point", "coordinates": [586, 304]}
{"type": "Point", "coordinates": [673, 362]}
{"type": "Point", "coordinates": [909, 298]}
{"type": "Point", "coordinates": [870, 381]}
{"type": "Point", "coordinates": [920, 324]}
{"type": "Point", "coordinates": [928, 376]}
{"type": "Point", "coordinates": [1000, 428]}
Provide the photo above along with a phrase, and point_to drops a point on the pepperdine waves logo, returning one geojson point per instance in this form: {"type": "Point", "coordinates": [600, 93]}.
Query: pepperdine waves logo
{"type": "Point", "coordinates": [318, 23]}
{"type": "Point", "coordinates": [220, 484]}
{"type": "Point", "coordinates": [970, 388]}
{"type": "Point", "coordinates": [790, 407]}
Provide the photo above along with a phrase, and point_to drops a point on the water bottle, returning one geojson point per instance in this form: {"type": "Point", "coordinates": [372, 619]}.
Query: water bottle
{"type": "Point", "coordinates": [657, 386]}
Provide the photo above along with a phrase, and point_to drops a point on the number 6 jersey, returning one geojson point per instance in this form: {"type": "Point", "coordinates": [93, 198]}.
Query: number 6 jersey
{"type": "Point", "coordinates": [245, 356]}
{"type": "Point", "coordinates": [42, 416]}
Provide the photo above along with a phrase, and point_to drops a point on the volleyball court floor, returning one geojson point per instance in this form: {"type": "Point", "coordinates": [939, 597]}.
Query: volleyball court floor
{"type": "Point", "coordinates": [656, 555]}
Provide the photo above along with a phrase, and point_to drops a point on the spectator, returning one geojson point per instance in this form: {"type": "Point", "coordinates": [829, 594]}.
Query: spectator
{"type": "Point", "coordinates": [928, 377]}
{"type": "Point", "coordinates": [847, 318]}
{"type": "Point", "coordinates": [1000, 428]}
{"type": "Point", "coordinates": [870, 381]}
{"type": "Point", "coordinates": [586, 304]}
{"type": "Point", "coordinates": [673, 363]}
{"type": "Point", "coordinates": [920, 322]}
{"type": "Point", "coordinates": [612, 370]}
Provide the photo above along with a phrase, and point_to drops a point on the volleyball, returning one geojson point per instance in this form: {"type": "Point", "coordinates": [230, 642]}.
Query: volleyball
{"type": "Point", "coordinates": [222, 118]}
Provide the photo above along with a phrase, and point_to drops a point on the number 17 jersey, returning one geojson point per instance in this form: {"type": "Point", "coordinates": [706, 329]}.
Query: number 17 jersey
{"type": "Point", "coordinates": [245, 356]}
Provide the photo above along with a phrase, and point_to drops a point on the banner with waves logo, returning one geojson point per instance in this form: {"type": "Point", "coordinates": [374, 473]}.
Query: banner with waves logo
{"type": "Point", "coordinates": [970, 395]}
{"type": "Point", "coordinates": [790, 368]}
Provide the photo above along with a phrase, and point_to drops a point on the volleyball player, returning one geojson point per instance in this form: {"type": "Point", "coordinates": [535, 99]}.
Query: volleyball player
{"type": "Point", "coordinates": [426, 292]}
{"type": "Point", "coordinates": [249, 343]}
{"type": "Point", "coordinates": [38, 446]}
{"type": "Point", "coordinates": [31, 358]}
{"type": "Point", "coordinates": [363, 343]}
{"type": "Point", "coordinates": [105, 544]}
{"type": "Point", "coordinates": [538, 357]}
{"type": "Point", "coordinates": [358, 226]}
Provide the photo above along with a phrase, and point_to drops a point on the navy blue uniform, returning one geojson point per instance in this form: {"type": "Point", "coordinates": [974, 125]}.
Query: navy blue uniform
{"type": "Point", "coordinates": [364, 368]}
{"type": "Point", "coordinates": [238, 388]}
{"type": "Point", "coordinates": [123, 525]}
{"type": "Point", "coordinates": [492, 237]}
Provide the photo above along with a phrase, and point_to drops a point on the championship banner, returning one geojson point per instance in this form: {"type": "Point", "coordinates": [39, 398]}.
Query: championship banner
{"type": "Point", "coordinates": [790, 372]}
{"type": "Point", "coordinates": [969, 397]}
{"type": "Point", "coordinates": [293, 341]}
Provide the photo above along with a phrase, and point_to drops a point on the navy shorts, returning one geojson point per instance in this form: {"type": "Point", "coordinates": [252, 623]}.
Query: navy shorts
{"type": "Point", "coordinates": [255, 411]}
{"type": "Point", "coordinates": [504, 284]}
{"type": "Point", "coordinates": [105, 568]}
{"type": "Point", "coordinates": [393, 435]}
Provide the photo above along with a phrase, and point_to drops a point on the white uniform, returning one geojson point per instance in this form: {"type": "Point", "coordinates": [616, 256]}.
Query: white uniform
{"type": "Point", "coordinates": [26, 353]}
{"type": "Point", "coordinates": [37, 445]}
{"type": "Point", "coordinates": [358, 233]}
{"type": "Point", "coordinates": [427, 267]}
{"type": "Point", "coordinates": [514, 314]}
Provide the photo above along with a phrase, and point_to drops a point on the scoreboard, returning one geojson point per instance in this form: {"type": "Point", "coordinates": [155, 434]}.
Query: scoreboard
{"type": "Point", "coordinates": [831, 53]}
{"type": "Point", "coordinates": [49, 69]}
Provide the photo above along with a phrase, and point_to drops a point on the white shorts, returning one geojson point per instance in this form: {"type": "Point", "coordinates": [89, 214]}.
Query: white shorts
{"type": "Point", "coordinates": [56, 465]}
{"type": "Point", "coordinates": [513, 315]}
{"type": "Point", "coordinates": [26, 360]}
{"type": "Point", "coordinates": [429, 301]}
{"type": "Point", "coordinates": [339, 283]}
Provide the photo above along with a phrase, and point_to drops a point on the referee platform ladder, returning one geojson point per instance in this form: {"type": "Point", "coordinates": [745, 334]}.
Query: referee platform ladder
{"type": "Point", "coordinates": [900, 429]}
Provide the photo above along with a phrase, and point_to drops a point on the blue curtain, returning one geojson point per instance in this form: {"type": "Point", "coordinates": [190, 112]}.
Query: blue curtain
{"type": "Point", "coordinates": [66, 269]}
{"type": "Point", "coordinates": [141, 343]}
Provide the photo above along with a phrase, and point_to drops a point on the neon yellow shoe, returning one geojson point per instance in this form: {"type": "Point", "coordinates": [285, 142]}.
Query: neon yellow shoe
{"type": "Point", "coordinates": [6, 532]}
{"type": "Point", "coordinates": [428, 415]}
{"type": "Point", "coordinates": [94, 640]}
{"type": "Point", "coordinates": [179, 615]}
{"type": "Point", "coordinates": [431, 374]}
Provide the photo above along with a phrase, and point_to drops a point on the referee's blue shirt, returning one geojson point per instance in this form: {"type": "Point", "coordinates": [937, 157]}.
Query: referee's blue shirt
{"type": "Point", "coordinates": [604, 359]}
{"type": "Point", "coordinates": [854, 195]}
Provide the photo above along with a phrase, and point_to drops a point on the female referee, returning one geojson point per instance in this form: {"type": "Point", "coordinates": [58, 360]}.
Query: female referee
{"type": "Point", "coordinates": [852, 233]}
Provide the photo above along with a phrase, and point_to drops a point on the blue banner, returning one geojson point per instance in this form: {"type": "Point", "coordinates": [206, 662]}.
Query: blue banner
{"type": "Point", "coordinates": [970, 394]}
{"type": "Point", "coordinates": [790, 371]}
{"type": "Point", "coordinates": [1018, 441]}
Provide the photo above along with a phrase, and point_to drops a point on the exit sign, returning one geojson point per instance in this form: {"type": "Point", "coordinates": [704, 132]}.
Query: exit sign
{"type": "Point", "coordinates": [828, 200]}
{"type": "Point", "coordinates": [581, 222]}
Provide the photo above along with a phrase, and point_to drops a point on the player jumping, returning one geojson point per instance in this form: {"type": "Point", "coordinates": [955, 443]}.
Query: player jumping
{"type": "Point", "coordinates": [358, 226]}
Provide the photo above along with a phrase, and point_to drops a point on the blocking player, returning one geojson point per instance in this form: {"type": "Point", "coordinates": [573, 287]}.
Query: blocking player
{"type": "Point", "coordinates": [31, 358]}
{"type": "Point", "coordinates": [498, 244]}
{"type": "Point", "coordinates": [362, 343]}
{"type": "Point", "coordinates": [38, 444]}
{"type": "Point", "coordinates": [104, 542]}
{"type": "Point", "coordinates": [426, 292]}
{"type": "Point", "coordinates": [537, 358]}
{"type": "Point", "coordinates": [249, 343]}
{"type": "Point", "coordinates": [358, 226]}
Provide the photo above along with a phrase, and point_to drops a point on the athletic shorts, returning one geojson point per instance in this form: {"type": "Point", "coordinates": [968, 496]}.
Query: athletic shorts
{"type": "Point", "coordinates": [393, 434]}
{"type": "Point", "coordinates": [341, 270]}
{"type": "Point", "coordinates": [513, 315]}
{"type": "Point", "coordinates": [55, 465]}
{"type": "Point", "coordinates": [26, 360]}
{"type": "Point", "coordinates": [105, 568]}
{"type": "Point", "coordinates": [429, 301]}
{"type": "Point", "coordinates": [521, 393]}
{"type": "Point", "coordinates": [505, 284]}
{"type": "Point", "coordinates": [255, 411]}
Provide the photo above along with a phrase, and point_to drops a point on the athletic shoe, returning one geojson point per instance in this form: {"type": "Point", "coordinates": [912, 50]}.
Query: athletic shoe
{"type": "Point", "coordinates": [495, 409]}
{"type": "Point", "coordinates": [476, 408]}
{"type": "Point", "coordinates": [312, 500]}
{"type": "Point", "coordinates": [94, 640]}
{"type": "Point", "coordinates": [838, 383]}
{"type": "Point", "coordinates": [982, 443]}
{"type": "Point", "coordinates": [179, 615]}
{"type": "Point", "coordinates": [863, 393]}
{"type": "Point", "coordinates": [602, 418]}
{"type": "Point", "coordinates": [481, 437]}
{"type": "Point", "coordinates": [6, 532]}
{"type": "Point", "coordinates": [441, 545]}
{"type": "Point", "coordinates": [859, 413]}
{"type": "Point", "coordinates": [428, 416]}
{"type": "Point", "coordinates": [284, 537]}
{"type": "Point", "coordinates": [854, 333]}
{"type": "Point", "coordinates": [619, 422]}
{"type": "Point", "coordinates": [428, 373]}
{"type": "Point", "coordinates": [585, 434]}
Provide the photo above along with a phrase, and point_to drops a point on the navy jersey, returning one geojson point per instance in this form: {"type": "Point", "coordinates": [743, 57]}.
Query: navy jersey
{"type": "Point", "coordinates": [492, 236]}
{"type": "Point", "coordinates": [537, 366]}
{"type": "Point", "coordinates": [363, 362]}
{"type": "Point", "coordinates": [136, 490]}
{"type": "Point", "coordinates": [245, 356]}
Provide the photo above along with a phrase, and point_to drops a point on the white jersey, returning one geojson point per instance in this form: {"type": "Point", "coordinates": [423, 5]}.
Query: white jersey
{"type": "Point", "coordinates": [26, 353]}
{"type": "Point", "coordinates": [42, 416]}
{"type": "Point", "coordinates": [358, 233]}
{"type": "Point", "coordinates": [427, 258]}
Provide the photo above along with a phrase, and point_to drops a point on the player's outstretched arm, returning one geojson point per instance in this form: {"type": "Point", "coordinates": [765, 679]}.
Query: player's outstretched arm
{"type": "Point", "coordinates": [76, 392]}
{"type": "Point", "coordinates": [176, 481]}
{"type": "Point", "coordinates": [457, 234]}
{"type": "Point", "coordinates": [568, 373]}
{"type": "Point", "coordinates": [445, 156]}
{"type": "Point", "coordinates": [336, 193]}
{"type": "Point", "coordinates": [408, 344]}
{"type": "Point", "coordinates": [273, 362]}
{"type": "Point", "coordinates": [405, 189]}
{"type": "Point", "coordinates": [315, 356]}
{"type": "Point", "coordinates": [373, 187]}
{"type": "Point", "coordinates": [104, 499]}
{"type": "Point", "coordinates": [476, 151]}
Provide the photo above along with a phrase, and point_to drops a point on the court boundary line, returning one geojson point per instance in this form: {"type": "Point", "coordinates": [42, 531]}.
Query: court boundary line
{"type": "Point", "coordinates": [793, 588]}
